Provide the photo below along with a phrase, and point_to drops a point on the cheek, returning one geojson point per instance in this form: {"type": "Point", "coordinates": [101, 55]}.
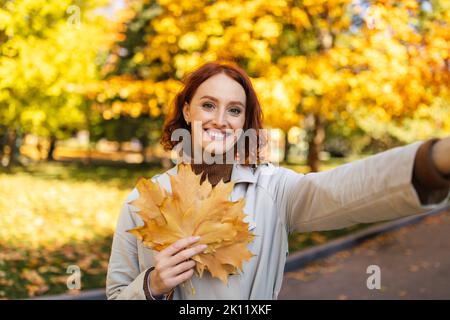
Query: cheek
{"type": "Point", "coordinates": [200, 115]}
{"type": "Point", "coordinates": [238, 123]}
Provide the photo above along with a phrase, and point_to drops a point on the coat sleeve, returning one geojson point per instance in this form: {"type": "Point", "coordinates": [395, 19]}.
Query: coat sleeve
{"type": "Point", "coordinates": [373, 189]}
{"type": "Point", "coordinates": [124, 279]}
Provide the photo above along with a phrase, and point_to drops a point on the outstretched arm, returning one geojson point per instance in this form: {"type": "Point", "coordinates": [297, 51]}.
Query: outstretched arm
{"type": "Point", "coordinates": [399, 182]}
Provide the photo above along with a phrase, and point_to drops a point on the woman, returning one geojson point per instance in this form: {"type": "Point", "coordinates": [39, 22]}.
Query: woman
{"type": "Point", "coordinates": [218, 99]}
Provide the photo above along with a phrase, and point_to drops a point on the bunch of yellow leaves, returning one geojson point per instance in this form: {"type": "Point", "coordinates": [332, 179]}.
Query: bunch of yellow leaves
{"type": "Point", "coordinates": [195, 209]}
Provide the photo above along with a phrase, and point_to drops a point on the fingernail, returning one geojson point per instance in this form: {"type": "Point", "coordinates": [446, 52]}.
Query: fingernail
{"type": "Point", "coordinates": [204, 246]}
{"type": "Point", "coordinates": [195, 237]}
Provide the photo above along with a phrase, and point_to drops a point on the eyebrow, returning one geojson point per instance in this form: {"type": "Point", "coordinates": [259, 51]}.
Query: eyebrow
{"type": "Point", "coordinates": [216, 100]}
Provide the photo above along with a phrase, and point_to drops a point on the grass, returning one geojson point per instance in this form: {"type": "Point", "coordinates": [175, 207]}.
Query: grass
{"type": "Point", "coordinates": [55, 215]}
{"type": "Point", "coordinates": [59, 214]}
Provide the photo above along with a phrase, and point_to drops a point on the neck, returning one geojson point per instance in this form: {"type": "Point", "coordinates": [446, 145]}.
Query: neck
{"type": "Point", "coordinates": [215, 172]}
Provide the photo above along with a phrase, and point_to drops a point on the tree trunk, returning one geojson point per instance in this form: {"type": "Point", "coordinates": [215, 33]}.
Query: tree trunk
{"type": "Point", "coordinates": [287, 147]}
{"type": "Point", "coordinates": [51, 149]}
{"type": "Point", "coordinates": [3, 136]}
{"type": "Point", "coordinates": [88, 122]}
{"type": "Point", "coordinates": [315, 143]}
{"type": "Point", "coordinates": [88, 160]}
{"type": "Point", "coordinates": [145, 143]}
{"type": "Point", "coordinates": [326, 38]}
{"type": "Point", "coordinates": [11, 147]}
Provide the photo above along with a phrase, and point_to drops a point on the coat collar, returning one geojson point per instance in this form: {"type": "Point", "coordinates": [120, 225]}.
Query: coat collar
{"type": "Point", "coordinates": [242, 174]}
{"type": "Point", "coordinates": [239, 174]}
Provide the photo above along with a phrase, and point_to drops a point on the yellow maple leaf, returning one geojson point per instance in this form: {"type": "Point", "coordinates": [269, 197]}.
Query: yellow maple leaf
{"type": "Point", "coordinates": [195, 209]}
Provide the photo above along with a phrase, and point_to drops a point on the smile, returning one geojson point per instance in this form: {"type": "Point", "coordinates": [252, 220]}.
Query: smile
{"type": "Point", "coordinates": [217, 134]}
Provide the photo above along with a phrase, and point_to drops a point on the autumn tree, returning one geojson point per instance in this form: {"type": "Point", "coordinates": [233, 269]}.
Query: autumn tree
{"type": "Point", "coordinates": [409, 69]}
{"type": "Point", "coordinates": [48, 50]}
{"type": "Point", "coordinates": [152, 69]}
{"type": "Point", "coordinates": [320, 60]}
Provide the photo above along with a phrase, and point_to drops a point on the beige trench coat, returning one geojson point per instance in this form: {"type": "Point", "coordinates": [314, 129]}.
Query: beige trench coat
{"type": "Point", "coordinates": [278, 201]}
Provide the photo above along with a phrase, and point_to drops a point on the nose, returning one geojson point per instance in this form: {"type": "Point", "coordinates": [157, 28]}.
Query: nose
{"type": "Point", "coordinates": [219, 119]}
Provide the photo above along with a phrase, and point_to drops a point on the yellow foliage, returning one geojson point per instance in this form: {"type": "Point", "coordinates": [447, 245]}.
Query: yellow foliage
{"type": "Point", "coordinates": [324, 66]}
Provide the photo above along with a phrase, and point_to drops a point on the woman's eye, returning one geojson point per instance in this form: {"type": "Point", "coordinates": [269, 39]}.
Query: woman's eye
{"type": "Point", "coordinates": [235, 111]}
{"type": "Point", "coordinates": [208, 105]}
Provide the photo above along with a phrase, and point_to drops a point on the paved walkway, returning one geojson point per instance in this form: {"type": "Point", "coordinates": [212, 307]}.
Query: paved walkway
{"type": "Point", "coordinates": [414, 263]}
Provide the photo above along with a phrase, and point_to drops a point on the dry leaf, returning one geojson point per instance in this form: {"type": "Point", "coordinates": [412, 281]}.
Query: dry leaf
{"type": "Point", "coordinates": [195, 209]}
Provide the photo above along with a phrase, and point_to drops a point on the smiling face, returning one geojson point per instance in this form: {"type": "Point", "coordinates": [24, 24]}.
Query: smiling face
{"type": "Point", "coordinates": [216, 110]}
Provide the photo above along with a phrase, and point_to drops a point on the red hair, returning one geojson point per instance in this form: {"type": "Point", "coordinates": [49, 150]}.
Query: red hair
{"type": "Point", "coordinates": [253, 112]}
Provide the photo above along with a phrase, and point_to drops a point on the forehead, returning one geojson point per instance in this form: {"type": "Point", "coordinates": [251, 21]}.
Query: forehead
{"type": "Point", "coordinates": [221, 87]}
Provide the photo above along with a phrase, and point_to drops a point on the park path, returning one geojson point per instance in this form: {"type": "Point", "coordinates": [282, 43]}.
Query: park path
{"type": "Point", "coordinates": [414, 263]}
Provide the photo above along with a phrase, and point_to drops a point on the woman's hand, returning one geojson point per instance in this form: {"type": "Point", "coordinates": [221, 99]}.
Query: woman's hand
{"type": "Point", "coordinates": [441, 155]}
{"type": "Point", "coordinates": [173, 266]}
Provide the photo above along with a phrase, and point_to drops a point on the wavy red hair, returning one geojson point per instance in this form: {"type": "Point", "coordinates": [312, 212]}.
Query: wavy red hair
{"type": "Point", "coordinates": [253, 112]}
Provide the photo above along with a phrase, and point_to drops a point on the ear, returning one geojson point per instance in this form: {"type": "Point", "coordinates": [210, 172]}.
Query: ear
{"type": "Point", "coordinates": [186, 112]}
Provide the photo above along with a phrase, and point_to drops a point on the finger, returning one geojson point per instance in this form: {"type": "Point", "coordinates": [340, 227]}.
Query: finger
{"type": "Point", "coordinates": [178, 245]}
{"type": "Point", "coordinates": [186, 254]}
{"type": "Point", "coordinates": [181, 268]}
{"type": "Point", "coordinates": [183, 277]}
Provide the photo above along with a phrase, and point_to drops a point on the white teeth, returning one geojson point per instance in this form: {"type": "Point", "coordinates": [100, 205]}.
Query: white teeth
{"type": "Point", "coordinates": [216, 135]}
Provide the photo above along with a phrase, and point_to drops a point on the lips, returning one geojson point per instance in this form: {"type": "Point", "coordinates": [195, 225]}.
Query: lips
{"type": "Point", "coordinates": [217, 135]}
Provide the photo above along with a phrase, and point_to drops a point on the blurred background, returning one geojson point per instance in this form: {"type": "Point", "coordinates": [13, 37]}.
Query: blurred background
{"type": "Point", "coordinates": [85, 87]}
